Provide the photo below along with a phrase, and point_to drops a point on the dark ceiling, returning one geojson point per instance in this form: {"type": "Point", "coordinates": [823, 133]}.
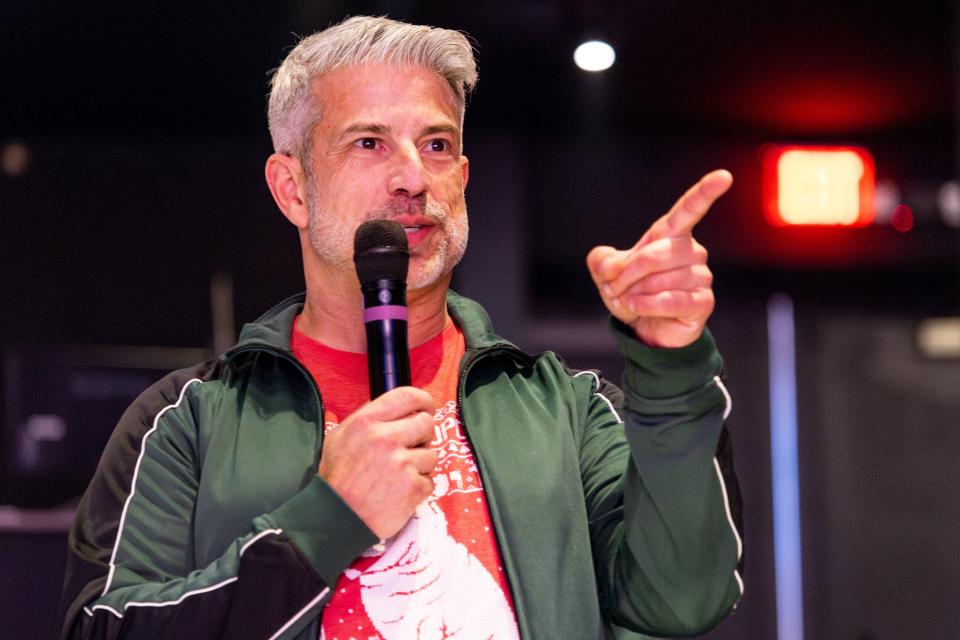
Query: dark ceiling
{"type": "Point", "coordinates": [147, 126]}
{"type": "Point", "coordinates": [188, 69]}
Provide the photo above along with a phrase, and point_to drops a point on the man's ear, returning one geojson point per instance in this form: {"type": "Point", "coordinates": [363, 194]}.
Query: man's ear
{"type": "Point", "coordinates": [287, 184]}
{"type": "Point", "coordinates": [465, 169]}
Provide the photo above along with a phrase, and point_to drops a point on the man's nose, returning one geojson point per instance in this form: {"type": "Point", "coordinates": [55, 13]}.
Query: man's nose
{"type": "Point", "coordinates": [408, 176]}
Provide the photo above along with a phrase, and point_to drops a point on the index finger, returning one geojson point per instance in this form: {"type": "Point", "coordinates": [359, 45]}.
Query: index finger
{"type": "Point", "coordinates": [399, 403]}
{"type": "Point", "coordinates": [691, 207]}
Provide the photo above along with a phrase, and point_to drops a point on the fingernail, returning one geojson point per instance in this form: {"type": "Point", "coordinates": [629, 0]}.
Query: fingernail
{"type": "Point", "coordinates": [615, 303]}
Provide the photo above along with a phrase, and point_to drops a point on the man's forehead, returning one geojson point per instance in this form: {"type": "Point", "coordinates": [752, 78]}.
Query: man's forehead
{"type": "Point", "coordinates": [359, 91]}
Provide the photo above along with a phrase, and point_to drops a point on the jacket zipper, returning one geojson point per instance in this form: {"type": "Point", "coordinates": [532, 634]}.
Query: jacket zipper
{"type": "Point", "coordinates": [465, 369]}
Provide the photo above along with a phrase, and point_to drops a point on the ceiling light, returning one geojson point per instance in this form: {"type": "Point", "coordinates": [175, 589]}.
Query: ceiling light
{"type": "Point", "coordinates": [594, 55]}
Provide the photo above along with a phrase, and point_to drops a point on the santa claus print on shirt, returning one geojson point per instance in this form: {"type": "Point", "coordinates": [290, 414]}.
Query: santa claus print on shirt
{"type": "Point", "coordinates": [440, 576]}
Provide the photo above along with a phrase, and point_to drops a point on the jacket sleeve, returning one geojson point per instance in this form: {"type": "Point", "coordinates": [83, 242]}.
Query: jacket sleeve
{"type": "Point", "coordinates": [130, 566]}
{"type": "Point", "coordinates": [665, 532]}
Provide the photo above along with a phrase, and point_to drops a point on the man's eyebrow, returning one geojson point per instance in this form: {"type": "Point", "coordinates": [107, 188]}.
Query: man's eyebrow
{"type": "Point", "coordinates": [442, 128]}
{"type": "Point", "coordinates": [366, 127]}
{"type": "Point", "coordinates": [382, 129]}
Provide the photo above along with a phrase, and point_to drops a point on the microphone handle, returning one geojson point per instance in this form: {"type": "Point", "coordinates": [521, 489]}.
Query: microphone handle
{"type": "Point", "coordinates": [385, 319]}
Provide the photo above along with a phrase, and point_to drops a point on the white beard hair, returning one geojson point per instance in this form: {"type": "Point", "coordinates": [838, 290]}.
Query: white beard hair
{"type": "Point", "coordinates": [333, 242]}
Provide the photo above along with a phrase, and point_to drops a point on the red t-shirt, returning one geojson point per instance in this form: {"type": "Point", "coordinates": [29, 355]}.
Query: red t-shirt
{"type": "Point", "coordinates": [441, 575]}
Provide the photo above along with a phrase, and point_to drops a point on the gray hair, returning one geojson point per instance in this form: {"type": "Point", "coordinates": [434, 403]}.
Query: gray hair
{"type": "Point", "coordinates": [293, 112]}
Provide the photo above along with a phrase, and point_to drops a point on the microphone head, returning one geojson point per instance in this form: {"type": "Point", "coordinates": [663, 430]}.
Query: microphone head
{"type": "Point", "coordinates": [380, 251]}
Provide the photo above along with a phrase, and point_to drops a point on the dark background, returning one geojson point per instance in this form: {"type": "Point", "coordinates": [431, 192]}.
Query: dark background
{"type": "Point", "coordinates": [145, 135]}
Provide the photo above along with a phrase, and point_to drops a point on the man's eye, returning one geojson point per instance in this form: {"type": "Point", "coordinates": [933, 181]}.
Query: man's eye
{"type": "Point", "coordinates": [438, 145]}
{"type": "Point", "coordinates": [367, 143]}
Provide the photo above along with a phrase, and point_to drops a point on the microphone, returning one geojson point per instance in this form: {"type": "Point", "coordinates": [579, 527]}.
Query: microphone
{"type": "Point", "coordinates": [381, 255]}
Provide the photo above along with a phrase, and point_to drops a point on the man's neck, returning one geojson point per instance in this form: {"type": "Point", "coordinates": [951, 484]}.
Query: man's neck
{"type": "Point", "coordinates": [333, 312]}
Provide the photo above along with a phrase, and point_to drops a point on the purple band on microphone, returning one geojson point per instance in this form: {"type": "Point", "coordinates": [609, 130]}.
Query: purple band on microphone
{"type": "Point", "coordinates": [385, 312]}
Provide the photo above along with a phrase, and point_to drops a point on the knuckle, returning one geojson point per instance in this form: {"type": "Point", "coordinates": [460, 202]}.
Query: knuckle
{"type": "Point", "coordinates": [660, 282]}
{"type": "Point", "coordinates": [708, 277]}
{"type": "Point", "coordinates": [382, 438]}
{"type": "Point", "coordinates": [407, 395]}
{"type": "Point", "coordinates": [422, 425]}
{"type": "Point", "coordinates": [709, 305]}
{"type": "Point", "coordinates": [644, 260]}
{"type": "Point", "coordinates": [700, 252]}
{"type": "Point", "coordinates": [700, 191]}
{"type": "Point", "coordinates": [397, 459]}
{"type": "Point", "coordinates": [670, 224]}
{"type": "Point", "coordinates": [645, 286]}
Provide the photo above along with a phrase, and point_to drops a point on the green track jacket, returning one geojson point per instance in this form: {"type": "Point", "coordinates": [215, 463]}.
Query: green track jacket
{"type": "Point", "coordinates": [206, 518]}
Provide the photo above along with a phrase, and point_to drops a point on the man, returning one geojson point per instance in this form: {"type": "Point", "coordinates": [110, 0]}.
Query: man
{"type": "Point", "coordinates": [500, 496]}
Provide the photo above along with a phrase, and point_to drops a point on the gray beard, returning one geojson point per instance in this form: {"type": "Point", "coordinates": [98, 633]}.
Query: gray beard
{"type": "Point", "coordinates": [333, 242]}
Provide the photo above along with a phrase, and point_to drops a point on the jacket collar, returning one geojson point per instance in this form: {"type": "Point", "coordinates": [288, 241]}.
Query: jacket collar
{"type": "Point", "coordinates": [275, 327]}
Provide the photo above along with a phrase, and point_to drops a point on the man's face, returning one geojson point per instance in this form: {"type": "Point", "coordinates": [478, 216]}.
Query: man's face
{"type": "Point", "coordinates": [388, 146]}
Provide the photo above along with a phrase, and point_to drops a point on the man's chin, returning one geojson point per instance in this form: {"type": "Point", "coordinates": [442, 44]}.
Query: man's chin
{"type": "Point", "coordinates": [435, 268]}
{"type": "Point", "coordinates": [427, 281]}
{"type": "Point", "coordinates": [426, 276]}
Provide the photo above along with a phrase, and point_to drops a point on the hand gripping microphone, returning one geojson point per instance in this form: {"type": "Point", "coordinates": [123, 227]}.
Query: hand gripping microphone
{"type": "Point", "coordinates": [380, 255]}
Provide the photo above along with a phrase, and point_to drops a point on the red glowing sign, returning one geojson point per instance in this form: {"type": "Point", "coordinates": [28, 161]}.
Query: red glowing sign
{"type": "Point", "coordinates": [806, 185]}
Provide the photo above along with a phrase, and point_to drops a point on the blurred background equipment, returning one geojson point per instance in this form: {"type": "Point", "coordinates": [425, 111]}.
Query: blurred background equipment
{"type": "Point", "coordinates": [60, 406]}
